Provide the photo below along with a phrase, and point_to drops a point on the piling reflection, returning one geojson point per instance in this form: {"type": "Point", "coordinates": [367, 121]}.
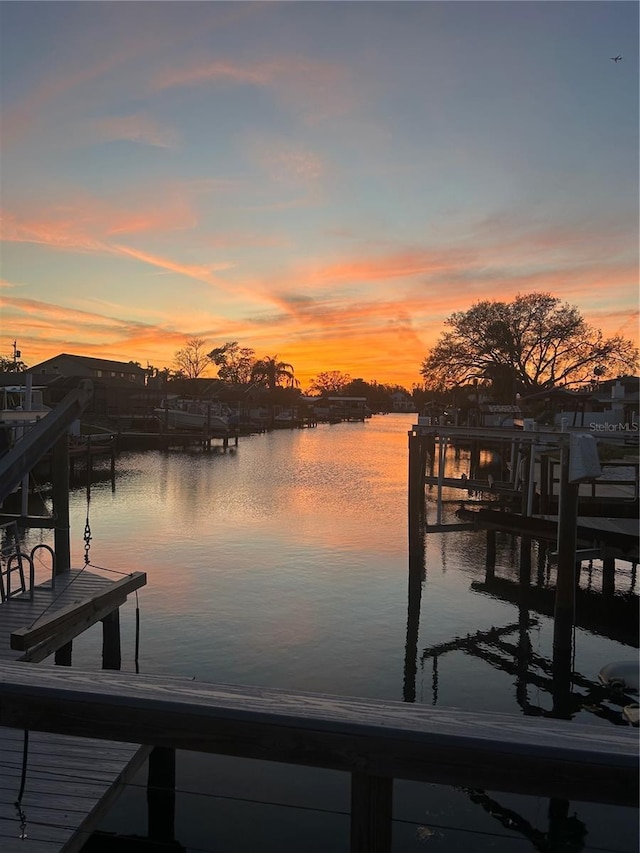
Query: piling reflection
{"type": "Point", "coordinates": [565, 832]}
{"type": "Point", "coordinates": [508, 649]}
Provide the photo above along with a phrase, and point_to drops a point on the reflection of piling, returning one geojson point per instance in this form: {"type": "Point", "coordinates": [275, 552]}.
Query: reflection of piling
{"type": "Point", "coordinates": [608, 571]}
{"type": "Point", "coordinates": [491, 554]}
{"type": "Point", "coordinates": [564, 611]}
{"type": "Point", "coordinates": [421, 449]}
{"type": "Point", "coordinates": [416, 579]}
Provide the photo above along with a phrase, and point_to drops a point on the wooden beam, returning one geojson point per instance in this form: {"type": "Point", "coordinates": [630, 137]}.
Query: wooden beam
{"type": "Point", "coordinates": [78, 612]}
{"type": "Point", "coordinates": [499, 752]}
{"type": "Point", "coordinates": [68, 632]}
{"type": "Point", "coordinates": [40, 521]}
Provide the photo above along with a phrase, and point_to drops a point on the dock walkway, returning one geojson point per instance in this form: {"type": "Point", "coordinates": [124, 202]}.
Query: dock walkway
{"type": "Point", "coordinates": [69, 781]}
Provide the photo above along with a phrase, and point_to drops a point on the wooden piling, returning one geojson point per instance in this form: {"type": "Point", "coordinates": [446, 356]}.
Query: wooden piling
{"type": "Point", "coordinates": [566, 568]}
{"type": "Point", "coordinates": [417, 460]}
{"type": "Point", "coordinates": [111, 651]}
{"type": "Point", "coordinates": [161, 794]}
{"type": "Point", "coordinates": [60, 464]}
{"type": "Point", "coordinates": [608, 572]}
{"type": "Point", "coordinates": [371, 813]}
{"type": "Point", "coordinates": [62, 656]}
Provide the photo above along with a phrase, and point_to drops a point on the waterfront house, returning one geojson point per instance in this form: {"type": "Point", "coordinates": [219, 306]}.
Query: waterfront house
{"type": "Point", "coordinates": [87, 367]}
{"type": "Point", "coordinates": [402, 402]}
{"type": "Point", "coordinates": [119, 387]}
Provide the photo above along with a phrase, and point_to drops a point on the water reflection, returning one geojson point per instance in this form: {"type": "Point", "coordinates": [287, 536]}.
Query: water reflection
{"type": "Point", "coordinates": [290, 563]}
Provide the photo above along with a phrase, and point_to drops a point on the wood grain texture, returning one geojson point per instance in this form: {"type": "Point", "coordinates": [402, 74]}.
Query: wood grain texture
{"type": "Point", "coordinates": [70, 783]}
{"type": "Point", "coordinates": [392, 739]}
{"type": "Point", "coordinates": [80, 613]}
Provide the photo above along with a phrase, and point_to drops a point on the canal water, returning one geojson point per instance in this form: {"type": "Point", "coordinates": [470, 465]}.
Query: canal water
{"type": "Point", "coordinates": [285, 562]}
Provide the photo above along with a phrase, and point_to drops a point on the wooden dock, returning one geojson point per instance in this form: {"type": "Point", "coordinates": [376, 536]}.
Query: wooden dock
{"type": "Point", "coordinates": [374, 741]}
{"type": "Point", "coordinates": [69, 781]}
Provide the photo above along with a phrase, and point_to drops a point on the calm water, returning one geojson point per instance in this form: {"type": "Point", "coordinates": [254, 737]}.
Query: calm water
{"type": "Point", "coordinates": [285, 562]}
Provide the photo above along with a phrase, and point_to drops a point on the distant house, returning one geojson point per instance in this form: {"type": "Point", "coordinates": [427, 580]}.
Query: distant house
{"type": "Point", "coordinates": [84, 366]}
{"type": "Point", "coordinates": [348, 408]}
{"type": "Point", "coordinates": [401, 402]}
{"type": "Point", "coordinates": [118, 386]}
{"type": "Point", "coordinates": [613, 406]}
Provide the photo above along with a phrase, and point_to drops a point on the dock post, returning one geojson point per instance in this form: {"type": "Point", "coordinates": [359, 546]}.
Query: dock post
{"type": "Point", "coordinates": [89, 459]}
{"type": "Point", "coordinates": [111, 652]}
{"type": "Point", "coordinates": [113, 463]}
{"type": "Point", "coordinates": [416, 476]}
{"type": "Point", "coordinates": [161, 794]}
{"type": "Point", "coordinates": [544, 484]}
{"type": "Point", "coordinates": [442, 452]}
{"type": "Point", "coordinates": [371, 813]}
{"type": "Point", "coordinates": [566, 548]}
{"type": "Point", "coordinates": [60, 465]}
{"type": "Point", "coordinates": [608, 572]}
{"type": "Point", "coordinates": [63, 655]}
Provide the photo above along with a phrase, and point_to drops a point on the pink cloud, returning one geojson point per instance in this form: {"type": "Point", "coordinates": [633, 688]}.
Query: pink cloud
{"type": "Point", "coordinates": [140, 129]}
{"type": "Point", "coordinates": [318, 89]}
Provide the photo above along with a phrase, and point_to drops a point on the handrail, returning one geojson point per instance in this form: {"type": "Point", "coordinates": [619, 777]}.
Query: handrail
{"type": "Point", "coordinates": [19, 556]}
{"type": "Point", "coordinates": [375, 741]}
{"type": "Point", "coordinates": [52, 554]}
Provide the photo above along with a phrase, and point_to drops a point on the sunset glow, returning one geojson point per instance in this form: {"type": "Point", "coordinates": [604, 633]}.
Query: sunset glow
{"type": "Point", "coordinates": [324, 181]}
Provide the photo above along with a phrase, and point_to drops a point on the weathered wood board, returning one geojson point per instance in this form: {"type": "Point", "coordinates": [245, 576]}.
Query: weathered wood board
{"type": "Point", "coordinates": [389, 739]}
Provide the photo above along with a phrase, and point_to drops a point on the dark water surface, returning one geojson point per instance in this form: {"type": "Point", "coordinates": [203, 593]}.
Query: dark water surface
{"type": "Point", "coordinates": [285, 563]}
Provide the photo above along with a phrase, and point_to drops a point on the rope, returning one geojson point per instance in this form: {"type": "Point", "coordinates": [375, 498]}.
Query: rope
{"type": "Point", "coordinates": [137, 633]}
{"type": "Point", "coordinates": [18, 803]}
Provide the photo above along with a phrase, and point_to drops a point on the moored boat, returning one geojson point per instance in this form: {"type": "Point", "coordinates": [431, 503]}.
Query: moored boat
{"type": "Point", "coordinates": [184, 413]}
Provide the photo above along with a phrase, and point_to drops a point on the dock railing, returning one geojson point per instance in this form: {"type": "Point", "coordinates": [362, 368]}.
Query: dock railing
{"type": "Point", "coordinates": [374, 741]}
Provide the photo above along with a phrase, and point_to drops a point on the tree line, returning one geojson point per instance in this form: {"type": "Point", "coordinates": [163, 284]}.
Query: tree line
{"type": "Point", "coordinates": [532, 343]}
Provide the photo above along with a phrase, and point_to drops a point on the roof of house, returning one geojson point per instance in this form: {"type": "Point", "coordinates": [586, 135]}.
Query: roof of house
{"type": "Point", "coordinates": [97, 363]}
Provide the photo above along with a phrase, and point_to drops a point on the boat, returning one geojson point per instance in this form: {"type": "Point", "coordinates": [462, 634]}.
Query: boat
{"type": "Point", "coordinates": [20, 408]}
{"type": "Point", "coordinates": [190, 414]}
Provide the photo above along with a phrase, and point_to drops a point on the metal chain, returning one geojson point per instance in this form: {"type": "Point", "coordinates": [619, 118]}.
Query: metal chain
{"type": "Point", "coordinates": [87, 538]}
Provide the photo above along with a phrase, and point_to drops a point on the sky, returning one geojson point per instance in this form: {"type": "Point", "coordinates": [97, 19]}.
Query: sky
{"type": "Point", "coordinates": [322, 181]}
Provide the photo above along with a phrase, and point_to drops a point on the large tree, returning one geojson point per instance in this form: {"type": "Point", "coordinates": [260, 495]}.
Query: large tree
{"type": "Point", "coordinates": [191, 361]}
{"type": "Point", "coordinates": [533, 342]}
{"type": "Point", "coordinates": [234, 362]}
{"type": "Point", "coordinates": [273, 373]}
{"type": "Point", "coordinates": [330, 382]}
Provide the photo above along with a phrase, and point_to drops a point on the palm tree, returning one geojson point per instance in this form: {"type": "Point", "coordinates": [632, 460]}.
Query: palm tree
{"type": "Point", "coordinates": [271, 372]}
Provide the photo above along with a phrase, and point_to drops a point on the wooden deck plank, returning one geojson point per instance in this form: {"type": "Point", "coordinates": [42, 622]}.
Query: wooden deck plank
{"type": "Point", "coordinates": [66, 791]}
{"type": "Point", "coordinates": [80, 613]}
{"type": "Point", "coordinates": [71, 587]}
{"type": "Point", "coordinates": [70, 782]}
